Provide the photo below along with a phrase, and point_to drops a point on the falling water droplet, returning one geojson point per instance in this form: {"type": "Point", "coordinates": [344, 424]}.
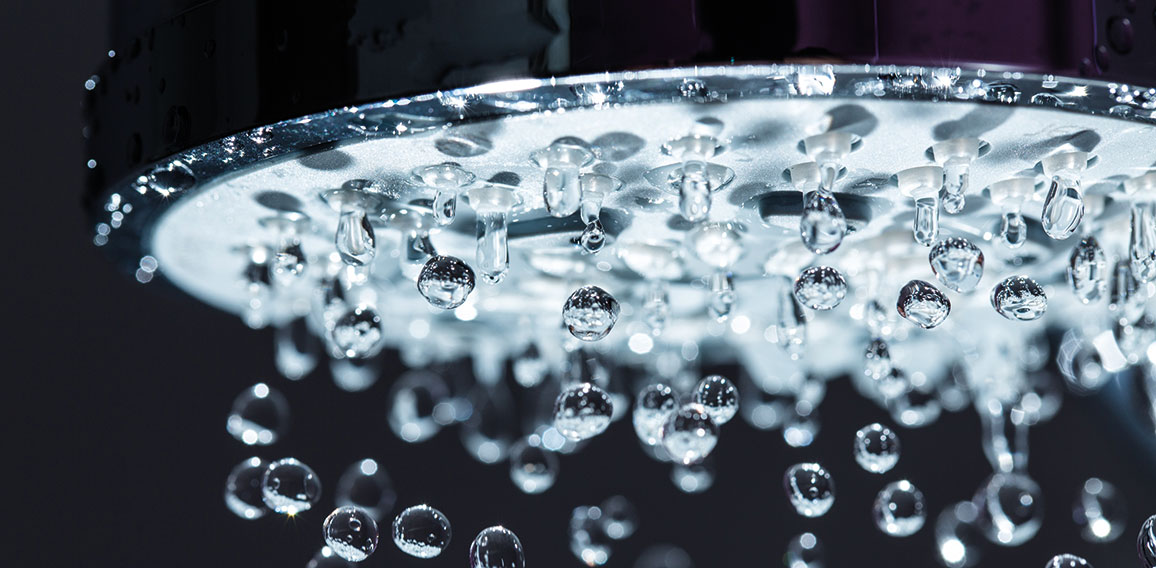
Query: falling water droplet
{"type": "Point", "coordinates": [421, 531]}
{"type": "Point", "coordinates": [899, 509]}
{"type": "Point", "coordinates": [593, 237]}
{"type": "Point", "coordinates": [656, 307]}
{"type": "Point", "coordinates": [689, 434]}
{"type": "Point", "coordinates": [351, 533]}
{"type": "Point", "coordinates": [295, 349]}
{"type": "Point", "coordinates": [446, 281]}
{"type": "Point", "coordinates": [923, 304]}
{"type": "Point", "coordinates": [589, 543]}
{"type": "Point", "coordinates": [243, 489]}
{"type": "Point", "coordinates": [1019, 298]}
{"type": "Point", "coordinates": [590, 313]}
{"type": "Point", "coordinates": [876, 448]}
{"type": "Point", "coordinates": [1068, 561]}
{"type": "Point", "coordinates": [530, 368]}
{"type": "Point", "coordinates": [1087, 270]}
{"type": "Point", "coordinates": [289, 263]}
{"type": "Point", "coordinates": [1063, 208]}
{"type": "Point", "coordinates": [1013, 230]}
{"type": "Point", "coordinates": [355, 239]}
{"type": "Point", "coordinates": [260, 416]}
{"type": "Point", "coordinates": [619, 517]}
{"type": "Point", "coordinates": [957, 263]}
{"type": "Point", "coordinates": [533, 468]}
{"type": "Point", "coordinates": [810, 489]}
{"type": "Point", "coordinates": [651, 409]}
{"type": "Point", "coordinates": [956, 536]}
{"type": "Point", "coordinates": [693, 478]}
{"type": "Point", "coordinates": [290, 487]}
{"type": "Point", "coordinates": [359, 333]}
{"type": "Point", "coordinates": [497, 547]}
{"type": "Point", "coordinates": [823, 224]}
{"type": "Point", "coordinates": [1011, 508]}
{"type": "Point", "coordinates": [1142, 241]}
{"type": "Point", "coordinates": [1100, 511]}
{"type": "Point", "coordinates": [805, 551]}
{"type": "Point", "coordinates": [413, 405]}
{"type": "Point", "coordinates": [718, 396]}
{"type": "Point", "coordinates": [820, 287]}
{"type": "Point", "coordinates": [722, 299]}
{"type": "Point", "coordinates": [366, 486]}
{"type": "Point", "coordinates": [582, 411]}
{"type": "Point", "coordinates": [1146, 542]}
{"type": "Point", "coordinates": [877, 359]}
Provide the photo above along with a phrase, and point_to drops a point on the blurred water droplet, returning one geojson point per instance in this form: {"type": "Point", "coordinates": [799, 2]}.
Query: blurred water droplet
{"type": "Point", "coordinates": [243, 489]}
{"type": "Point", "coordinates": [822, 224]}
{"type": "Point", "coordinates": [899, 509]}
{"type": "Point", "coordinates": [1019, 298]}
{"type": "Point", "coordinates": [651, 408]}
{"type": "Point", "coordinates": [446, 282]}
{"type": "Point", "coordinates": [413, 403]}
{"type": "Point", "coordinates": [326, 558]}
{"type": "Point", "coordinates": [1067, 561]}
{"type": "Point", "coordinates": [956, 536]}
{"type": "Point", "coordinates": [1087, 270]}
{"type": "Point", "coordinates": [351, 533]}
{"type": "Point", "coordinates": [689, 434]}
{"type": "Point", "coordinates": [809, 488]}
{"type": "Point", "coordinates": [588, 541]}
{"type": "Point", "coordinates": [365, 485]}
{"type": "Point", "coordinates": [1011, 508]}
{"type": "Point", "coordinates": [1013, 230]}
{"type": "Point", "coordinates": [260, 416]}
{"type": "Point", "coordinates": [957, 263]}
{"type": "Point", "coordinates": [290, 487]}
{"type": "Point", "coordinates": [593, 237]}
{"type": "Point", "coordinates": [877, 359]}
{"type": "Point", "coordinates": [1142, 241]}
{"type": "Point", "coordinates": [820, 288]}
{"type": "Point", "coordinates": [1063, 208]}
{"type": "Point", "coordinates": [923, 304]}
{"type": "Point", "coordinates": [876, 448]}
{"type": "Point", "coordinates": [619, 517]}
{"type": "Point", "coordinates": [590, 313]}
{"type": "Point", "coordinates": [533, 469]}
{"type": "Point", "coordinates": [1146, 542]}
{"type": "Point", "coordinates": [1100, 511]}
{"type": "Point", "coordinates": [359, 333]}
{"type": "Point", "coordinates": [295, 349]}
{"type": "Point", "coordinates": [805, 551]}
{"type": "Point", "coordinates": [694, 478]}
{"type": "Point", "coordinates": [355, 239]}
{"type": "Point", "coordinates": [421, 531]}
{"type": "Point", "coordinates": [582, 411]}
{"type": "Point", "coordinates": [497, 547]}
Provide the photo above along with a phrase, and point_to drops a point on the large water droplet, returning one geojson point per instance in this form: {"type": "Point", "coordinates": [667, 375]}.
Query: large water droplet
{"type": "Point", "coordinates": [1019, 298]}
{"type": "Point", "coordinates": [359, 333]}
{"type": "Point", "coordinates": [1087, 270]}
{"type": "Point", "coordinates": [533, 468]}
{"type": "Point", "coordinates": [260, 416]}
{"type": "Point", "coordinates": [957, 263]}
{"type": "Point", "coordinates": [899, 509]}
{"type": "Point", "coordinates": [589, 543]}
{"type": "Point", "coordinates": [810, 489]}
{"type": "Point", "coordinates": [590, 313]}
{"type": "Point", "coordinates": [582, 411]}
{"type": "Point", "coordinates": [805, 551]}
{"type": "Point", "coordinates": [1067, 561]}
{"type": "Point", "coordinates": [365, 485]}
{"type": "Point", "coordinates": [820, 287]}
{"type": "Point", "coordinates": [1100, 511]}
{"type": "Point", "coordinates": [243, 489]}
{"type": "Point", "coordinates": [497, 547]}
{"type": "Point", "coordinates": [923, 304]}
{"type": "Point", "coordinates": [1142, 241]}
{"type": "Point", "coordinates": [1011, 508]}
{"type": "Point", "coordinates": [446, 281]}
{"type": "Point", "coordinates": [876, 448]}
{"type": "Point", "coordinates": [619, 517]}
{"type": "Point", "coordinates": [1146, 542]}
{"type": "Point", "coordinates": [1063, 208]}
{"type": "Point", "coordinates": [421, 531]}
{"type": "Point", "coordinates": [290, 487]}
{"type": "Point", "coordinates": [355, 239]}
{"type": "Point", "coordinates": [351, 533]}
{"type": "Point", "coordinates": [823, 224]}
{"type": "Point", "coordinates": [651, 409]}
{"type": "Point", "coordinates": [689, 434]}
{"type": "Point", "coordinates": [718, 396]}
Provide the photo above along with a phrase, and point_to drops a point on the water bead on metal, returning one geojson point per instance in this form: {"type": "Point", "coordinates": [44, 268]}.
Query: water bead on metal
{"type": "Point", "coordinates": [243, 489]}
{"type": "Point", "coordinates": [290, 487]}
{"type": "Point", "coordinates": [899, 509]}
{"type": "Point", "coordinates": [1019, 298]}
{"type": "Point", "coordinates": [532, 468]}
{"type": "Point", "coordinates": [446, 282]}
{"type": "Point", "coordinates": [260, 415]}
{"type": "Point", "coordinates": [497, 547]}
{"type": "Point", "coordinates": [876, 448]}
{"type": "Point", "coordinates": [820, 287]}
{"type": "Point", "coordinates": [1067, 561]}
{"type": "Point", "coordinates": [923, 304]}
{"type": "Point", "coordinates": [689, 434]}
{"type": "Point", "coordinates": [421, 531]}
{"type": "Point", "coordinates": [651, 408]}
{"type": "Point", "coordinates": [1099, 511]}
{"type": "Point", "coordinates": [719, 397]}
{"type": "Point", "coordinates": [957, 263]}
{"type": "Point", "coordinates": [351, 533]}
{"type": "Point", "coordinates": [810, 489]}
{"type": "Point", "coordinates": [582, 411]}
{"type": "Point", "coordinates": [590, 313]}
{"type": "Point", "coordinates": [1146, 543]}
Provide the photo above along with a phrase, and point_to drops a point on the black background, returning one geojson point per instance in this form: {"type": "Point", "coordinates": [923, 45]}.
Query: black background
{"type": "Point", "coordinates": [117, 438]}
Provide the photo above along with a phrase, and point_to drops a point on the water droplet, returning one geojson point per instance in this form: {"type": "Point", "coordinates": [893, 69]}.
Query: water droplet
{"type": "Point", "coordinates": [822, 224]}
{"type": "Point", "coordinates": [651, 409]}
{"type": "Point", "coordinates": [1146, 542]}
{"type": "Point", "coordinates": [421, 531]}
{"type": "Point", "coordinates": [446, 281]}
{"type": "Point", "coordinates": [1006, 93]}
{"type": "Point", "coordinates": [413, 404]}
{"type": "Point", "coordinates": [718, 396]}
{"type": "Point", "coordinates": [1013, 230]}
{"type": "Point", "coordinates": [805, 551]}
{"type": "Point", "coordinates": [694, 478]}
{"type": "Point", "coordinates": [532, 468]}
{"type": "Point", "coordinates": [923, 304]}
{"type": "Point", "coordinates": [956, 536]}
{"type": "Point", "coordinates": [243, 489]}
{"type": "Point", "coordinates": [820, 287]}
{"type": "Point", "coordinates": [493, 426]}
{"type": "Point", "coordinates": [689, 434]}
{"type": "Point", "coordinates": [1087, 270]}
{"type": "Point", "coordinates": [1011, 508]}
{"type": "Point", "coordinates": [1126, 297]}
{"type": "Point", "coordinates": [957, 263]}
{"type": "Point", "coordinates": [915, 408]}
{"type": "Point", "coordinates": [876, 448]}
{"type": "Point", "coordinates": [170, 178]}
{"type": "Point", "coordinates": [561, 187]}
{"type": "Point", "coordinates": [656, 307]}
{"type": "Point", "coordinates": [289, 263]}
{"type": "Point", "coordinates": [926, 224]}
{"type": "Point", "coordinates": [899, 509]}
{"type": "Point", "coordinates": [295, 349]}
{"type": "Point", "coordinates": [355, 240]}
{"type": "Point", "coordinates": [810, 489]}
{"type": "Point", "coordinates": [1067, 561]}
{"type": "Point", "coordinates": [1063, 208]}
{"type": "Point", "coordinates": [493, 251]}
{"type": "Point", "coordinates": [619, 517]}
{"type": "Point", "coordinates": [877, 359]}
{"type": "Point", "coordinates": [359, 333]}
{"type": "Point", "coordinates": [694, 191]}
{"type": "Point", "coordinates": [445, 206]}
{"type": "Point", "coordinates": [260, 416]}
{"type": "Point", "coordinates": [1142, 242]}
{"type": "Point", "coordinates": [497, 547]}
{"type": "Point", "coordinates": [582, 411]}
{"type": "Point", "coordinates": [893, 384]}
{"type": "Point", "coordinates": [956, 177]}
{"type": "Point", "coordinates": [365, 485]}
{"type": "Point", "coordinates": [722, 298]}
{"type": "Point", "coordinates": [290, 487]}
{"type": "Point", "coordinates": [1100, 511]}
{"type": "Point", "coordinates": [530, 368]}
{"type": "Point", "coordinates": [351, 533]}
{"type": "Point", "coordinates": [590, 313]}
{"type": "Point", "coordinates": [1019, 298]}
{"type": "Point", "coordinates": [593, 237]}
{"type": "Point", "coordinates": [326, 558]}
{"type": "Point", "coordinates": [589, 543]}
{"type": "Point", "coordinates": [354, 375]}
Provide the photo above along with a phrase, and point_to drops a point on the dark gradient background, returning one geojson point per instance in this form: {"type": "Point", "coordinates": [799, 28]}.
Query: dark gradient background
{"type": "Point", "coordinates": [117, 431]}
